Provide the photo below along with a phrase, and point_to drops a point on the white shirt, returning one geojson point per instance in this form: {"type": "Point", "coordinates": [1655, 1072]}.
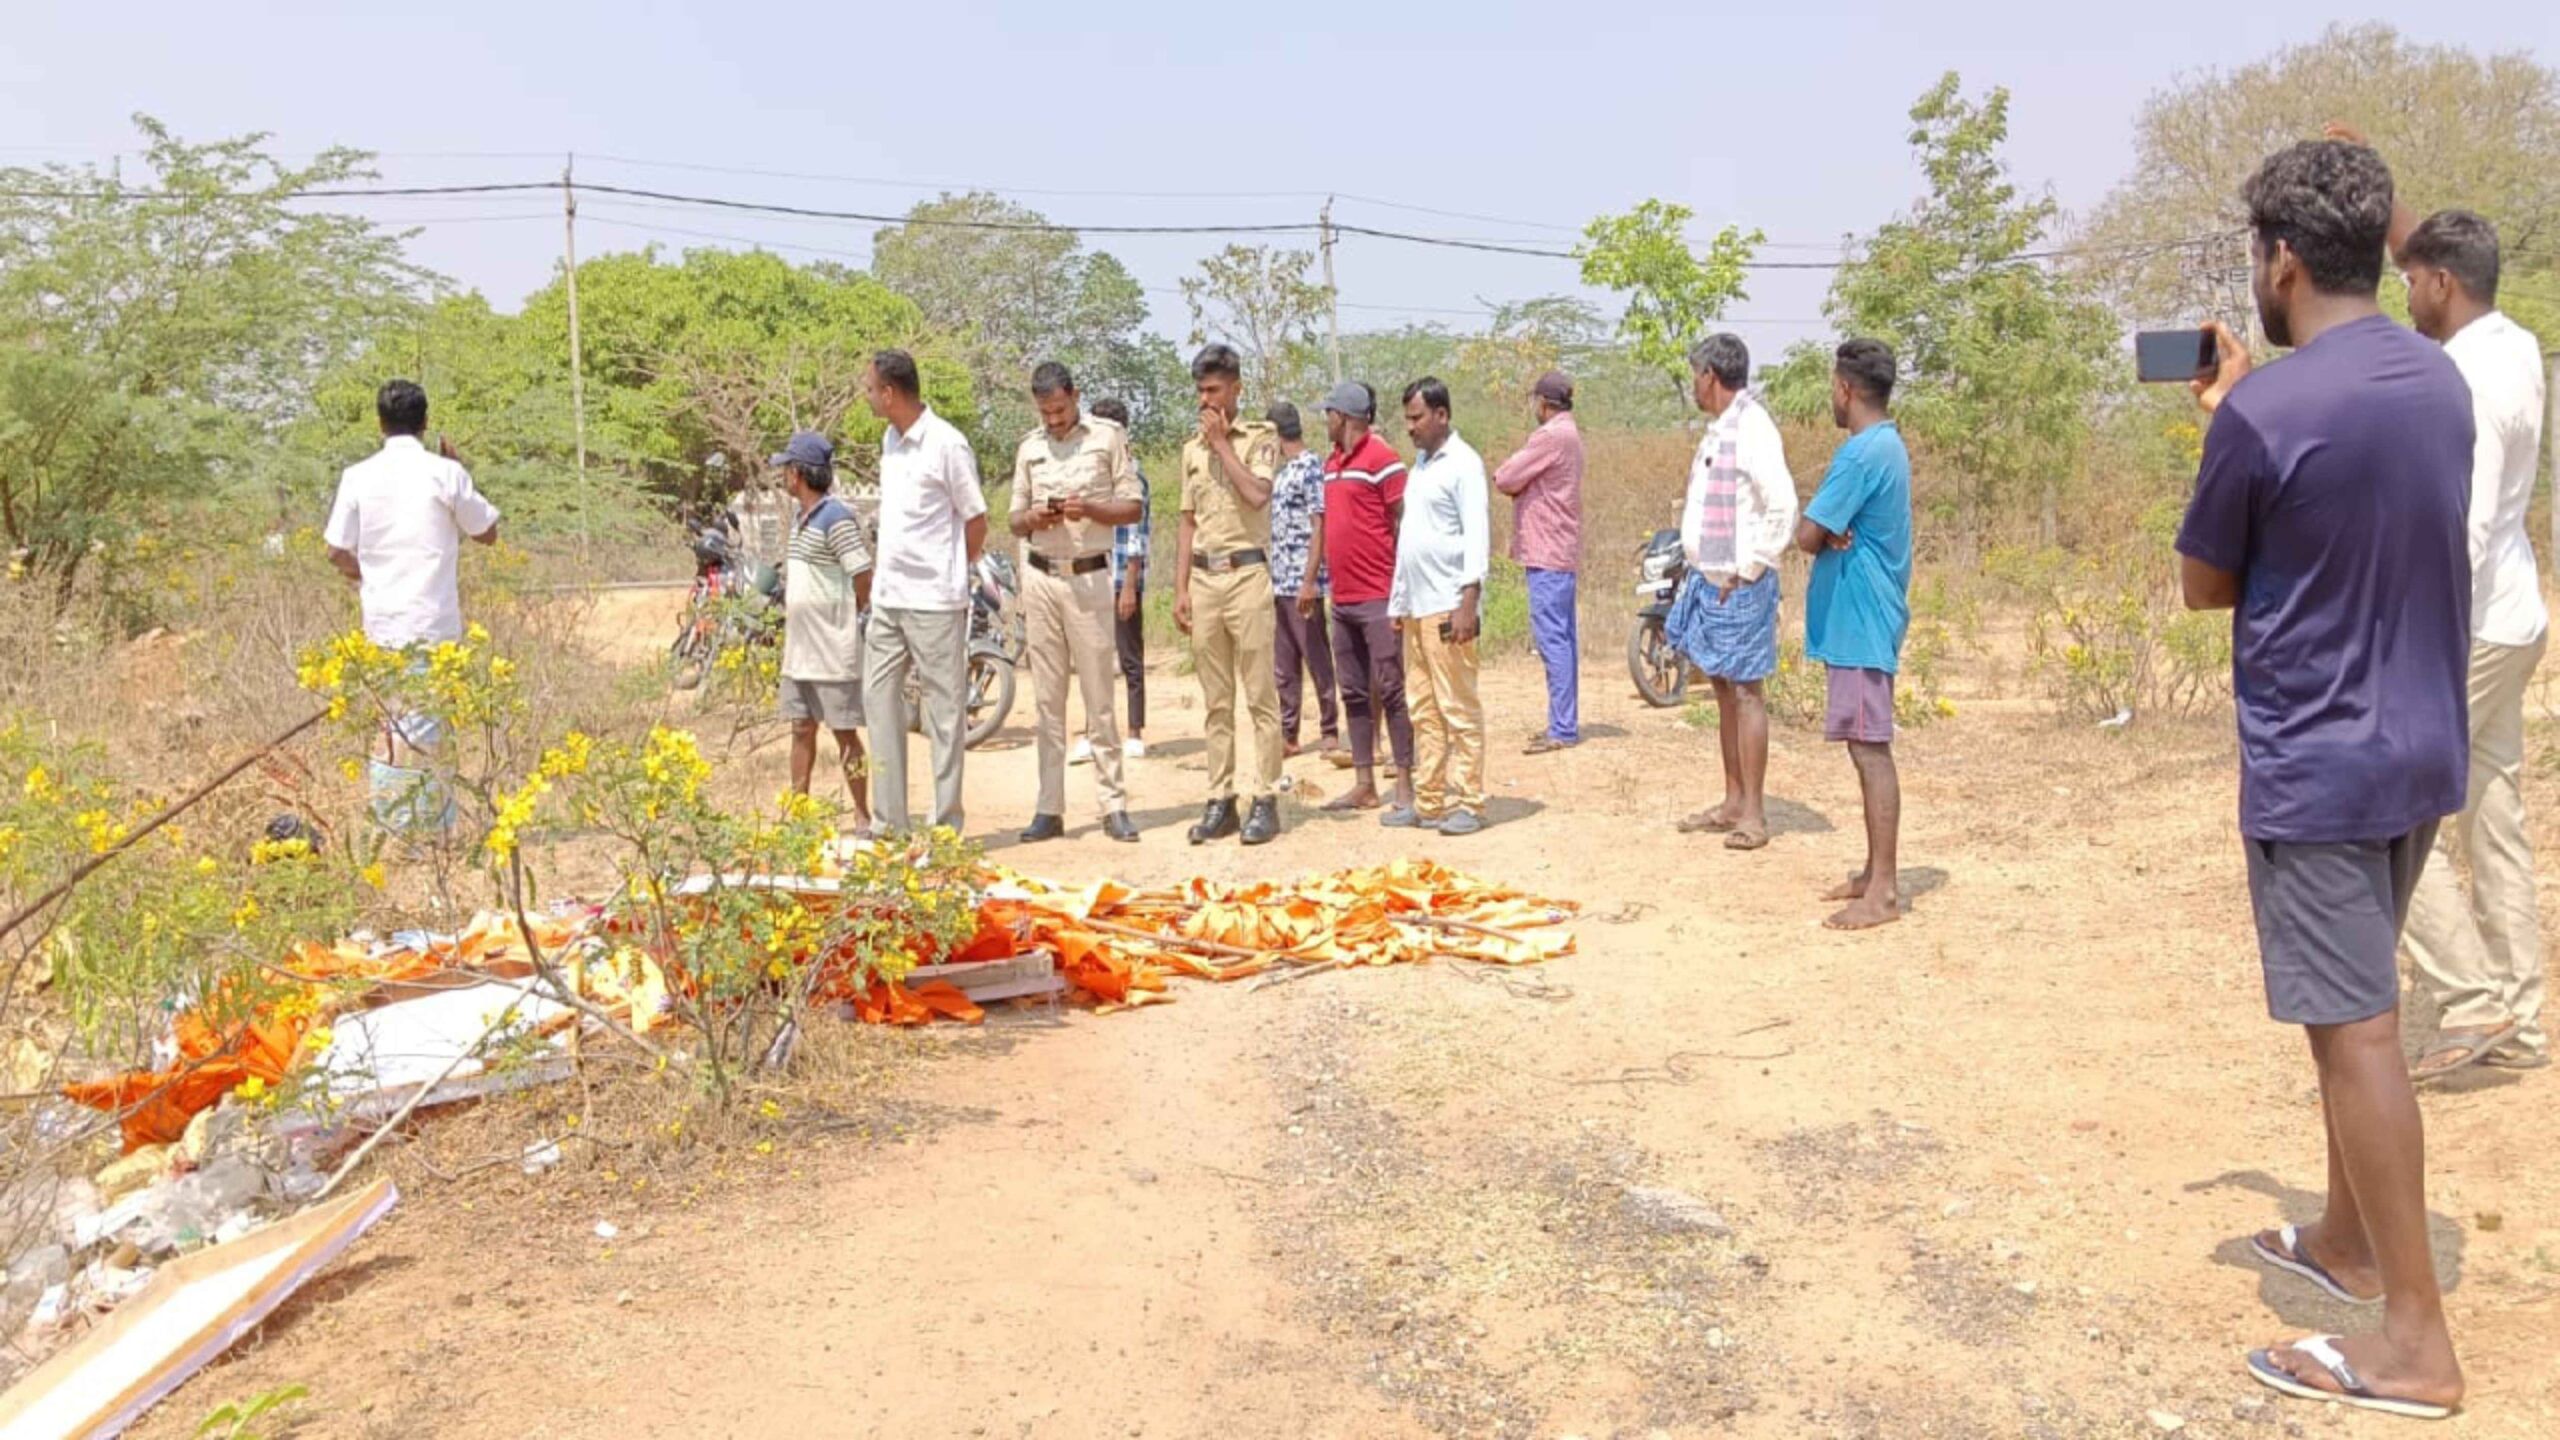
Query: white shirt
{"type": "Point", "coordinates": [1447, 536]}
{"type": "Point", "coordinates": [2502, 363]}
{"type": "Point", "coordinates": [1764, 494]}
{"type": "Point", "coordinates": [928, 495]}
{"type": "Point", "coordinates": [403, 515]}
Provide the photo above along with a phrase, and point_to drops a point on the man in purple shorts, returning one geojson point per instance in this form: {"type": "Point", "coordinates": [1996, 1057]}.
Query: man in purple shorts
{"type": "Point", "coordinates": [1857, 527]}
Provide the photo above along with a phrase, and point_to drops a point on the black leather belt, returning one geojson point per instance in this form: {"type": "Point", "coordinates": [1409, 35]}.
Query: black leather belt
{"type": "Point", "coordinates": [1228, 563]}
{"type": "Point", "coordinates": [1081, 565]}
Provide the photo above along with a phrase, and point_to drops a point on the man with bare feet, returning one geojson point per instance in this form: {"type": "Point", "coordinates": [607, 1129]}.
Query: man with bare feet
{"type": "Point", "coordinates": [1735, 526]}
{"type": "Point", "coordinates": [1363, 508]}
{"type": "Point", "coordinates": [2330, 516]}
{"type": "Point", "coordinates": [1857, 527]}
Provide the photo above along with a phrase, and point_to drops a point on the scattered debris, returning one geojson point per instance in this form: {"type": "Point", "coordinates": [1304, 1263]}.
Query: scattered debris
{"type": "Point", "coordinates": [1673, 1212]}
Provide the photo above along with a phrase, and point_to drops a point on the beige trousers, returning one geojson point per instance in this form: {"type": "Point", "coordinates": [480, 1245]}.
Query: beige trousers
{"type": "Point", "coordinates": [1448, 720]}
{"type": "Point", "coordinates": [935, 645]}
{"type": "Point", "coordinates": [1230, 647]}
{"type": "Point", "coordinates": [2481, 958]}
{"type": "Point", "coordinates": [1067, 623]}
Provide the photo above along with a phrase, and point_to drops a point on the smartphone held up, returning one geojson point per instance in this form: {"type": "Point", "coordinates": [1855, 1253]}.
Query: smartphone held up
{"type": "Point", "coordinates": [2162, 357]}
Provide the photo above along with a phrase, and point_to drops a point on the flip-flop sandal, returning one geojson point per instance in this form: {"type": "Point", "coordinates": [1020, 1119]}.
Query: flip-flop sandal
{"type": "Point", "coordinates": [2351, 1390]}
{"type": "Point", "coordinates": [2293, 1260]}
{"type": "Point", "coordinates": [2466, 1049]}
{"type": "Point", "coordinates": [2517, 1060]}
{"type": "Point", "coordinates": [1739, 838]}
{"type": "Point", "coordinates": [1705, 822]}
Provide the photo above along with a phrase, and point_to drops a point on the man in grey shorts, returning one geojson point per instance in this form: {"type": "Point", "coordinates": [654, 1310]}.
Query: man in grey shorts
{"type": "Point", "coordinates": [2330, 516]}
{"type": "Point", "coordinates": [825, 588]}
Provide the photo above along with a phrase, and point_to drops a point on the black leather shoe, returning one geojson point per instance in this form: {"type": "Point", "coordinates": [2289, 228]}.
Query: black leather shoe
{"type": "Point", "coordinates": [1262, 826]}
{"type": "Point", "coordinates": [1217, 822]}
{"type": "Point", "coordinates": [1120, 827]}
{"type": "Point", "coordinates": [1044, 827]}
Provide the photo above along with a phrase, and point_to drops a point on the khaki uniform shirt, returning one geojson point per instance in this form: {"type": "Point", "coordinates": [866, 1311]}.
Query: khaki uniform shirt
{"type": "Point", "coordinates": [1094, 462]}
{"type": "Point", "coordinates": [1221, 523]}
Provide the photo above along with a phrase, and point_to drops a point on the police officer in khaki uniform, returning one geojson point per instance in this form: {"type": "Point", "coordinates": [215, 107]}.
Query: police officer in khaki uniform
{"type": "Point", "coordinates": [1073, 480]}
{"type": "Point", "coordinates": [1222, 591]}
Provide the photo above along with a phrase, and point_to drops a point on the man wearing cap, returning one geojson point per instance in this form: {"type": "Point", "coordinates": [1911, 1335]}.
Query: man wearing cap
{"type": "Point", "coordinates": [1441, 549]}
{"type": "Point", "coordinates": [1073, 481]}
{"type": "Point", "coordinates": [1363, 504]}
{"type": "Point", "coordinates": [1544, 480]}
{"type": "Point", "coordinates": [933, 526]}
{"type": "Point", "coordinates": [1222, 591]}
{"type": "Point", "coordinates": [826, 587]}
{"type": "Point", "coordinates": [1300, 649]}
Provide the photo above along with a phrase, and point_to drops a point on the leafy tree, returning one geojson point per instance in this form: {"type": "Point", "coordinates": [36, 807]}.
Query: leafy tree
{"type": "Point", "coordinates": [2481, 132]}
{"type": "Point", "coordinates": [1672, 292]}
{"type": "Point", "coordinates": [1260, 300]}
{"type": "Point", "coordinates": [161, 334]}
{"type": "Point", "coordinates": [2002, 358]}
{"type": "Point", "coordinates": [1004, 295]}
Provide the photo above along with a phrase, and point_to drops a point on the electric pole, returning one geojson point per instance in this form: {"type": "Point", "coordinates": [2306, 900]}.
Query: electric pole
{"type": "Point", "coordinates": [1332, 300]}
{"type": "Point", "coordinates": [577, 364]}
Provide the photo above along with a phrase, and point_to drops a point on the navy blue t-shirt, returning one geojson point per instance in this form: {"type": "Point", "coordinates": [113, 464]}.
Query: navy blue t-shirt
{"type": "Point", "coordinates": [2336, 484]}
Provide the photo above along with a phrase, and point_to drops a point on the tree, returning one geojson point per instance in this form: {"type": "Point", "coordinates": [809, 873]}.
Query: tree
{"type": "Point", "coordinates": [1672, 292]}
{"type": "Point", "coordinates": [1005, 293]}
{"type": "Point", "coordinates": [1262, 301]}
{"type": "Point", "coordinates": [2457, 128]}
{"type": "Point", "coordinates": [2002, 358]}
{"type": "Point", "coordinates": [161, 335]}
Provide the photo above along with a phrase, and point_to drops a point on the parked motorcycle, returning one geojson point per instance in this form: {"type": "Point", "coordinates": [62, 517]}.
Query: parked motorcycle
{"type": "Point", "coordinates": [1660, 671]}
{"type": "Point", "coordinates": [719, 576]}
{"type": "Point", "coordinates": [996, 648]}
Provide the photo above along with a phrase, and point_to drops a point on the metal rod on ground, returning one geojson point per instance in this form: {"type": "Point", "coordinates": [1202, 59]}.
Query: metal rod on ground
{"type": "Point", "coordinates": [577, 365]}
{"type": "Point", "coordinates": [89, 866]}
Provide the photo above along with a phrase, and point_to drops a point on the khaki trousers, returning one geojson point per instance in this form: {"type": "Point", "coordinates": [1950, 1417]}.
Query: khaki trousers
{"type": "Point", "coordinates": [2482, 958]}
{"type": "Point", "coordinates": [1067, 621]}
{"type": "Point", "coordinates": [935, 644]}
{"type": "Point", "coordinates": [1448, 719]}
{"type": "Point", "coordinates": [1231, 647]}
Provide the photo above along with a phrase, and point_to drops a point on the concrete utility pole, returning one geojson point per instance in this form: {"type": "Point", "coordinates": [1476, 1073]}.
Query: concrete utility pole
{"type": "Point", "coordinates": [1332, 304]}
{"type": "Point", "coordinates": [577, 364]}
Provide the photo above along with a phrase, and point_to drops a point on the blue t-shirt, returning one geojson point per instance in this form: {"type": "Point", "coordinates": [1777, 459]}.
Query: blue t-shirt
{"type": "Point", "coordinates": [2335, 485]}
{"type": "Point", "coordinates": [1858, 603]}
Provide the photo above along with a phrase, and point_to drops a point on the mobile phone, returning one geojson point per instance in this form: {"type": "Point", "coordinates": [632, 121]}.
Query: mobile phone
{"type": "Point", "coordinates": [2163, 356]}
{"type": "Point", "coordinates": [1448, 630]}
{"type": "Point", "coordinates": [1057, 504]}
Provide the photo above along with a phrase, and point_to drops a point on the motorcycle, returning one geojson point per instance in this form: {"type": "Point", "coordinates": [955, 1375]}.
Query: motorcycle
{"type": "Point", "coordinates": [1660, 671]}
{"type": "Point", "coordinates": [997, 640]}
{"type": "Point", "coordinates": [719, 576]}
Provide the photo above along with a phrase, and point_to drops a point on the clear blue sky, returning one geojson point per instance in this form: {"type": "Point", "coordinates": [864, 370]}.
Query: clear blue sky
{"type": "Point", "coordinates": [1788, 116]}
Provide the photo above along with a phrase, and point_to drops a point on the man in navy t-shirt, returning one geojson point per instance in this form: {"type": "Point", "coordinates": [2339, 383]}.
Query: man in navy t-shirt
{"type": "Point", "coordinates": [2329, 515]}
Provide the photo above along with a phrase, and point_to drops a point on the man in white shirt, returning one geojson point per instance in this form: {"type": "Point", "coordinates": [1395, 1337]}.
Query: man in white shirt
{"type": "Point", "coordinates": [1442, 549]}
{"type": "Point", "coordinates": [397, 525]}
{"type": "Point", "coordinates": [1738, 521]}
{"type": "Point", "coordinates": [2482, 959]}
{"type": "Point", "coordinates": [933, 525]}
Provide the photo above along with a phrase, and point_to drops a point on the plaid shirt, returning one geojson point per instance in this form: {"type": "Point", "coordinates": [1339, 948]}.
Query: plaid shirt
{"type": "Point", "coordinates": [1297, 507]}
{"type": "Point", "coordinates": [1129, 542]}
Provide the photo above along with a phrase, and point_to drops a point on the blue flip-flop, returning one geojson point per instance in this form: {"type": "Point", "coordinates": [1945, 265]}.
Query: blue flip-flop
{"type": "Point", "coordinates": [2351, 1388]}
{"type": "Point", "coordinates": [2293, 1259]}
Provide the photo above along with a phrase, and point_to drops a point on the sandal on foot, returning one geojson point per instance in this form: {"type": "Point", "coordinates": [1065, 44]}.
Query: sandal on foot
{"type": "Point", "coordinates": [1706, 822]}
{"type": "Point", "coordinates": [2294, 1260]}
{"type": "Point", "coordinates": [2323, 1350]}
{"type": "Point", "coordinates": [1746, 837]}
{"type": "Point", "coordinates": [2517, 1059]}
{"type": "Point", "coordinates": [2458, 1050]}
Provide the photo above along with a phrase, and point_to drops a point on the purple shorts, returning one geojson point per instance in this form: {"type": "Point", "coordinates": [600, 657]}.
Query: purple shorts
{"type": "Point", "coordinates": [1861, 707]}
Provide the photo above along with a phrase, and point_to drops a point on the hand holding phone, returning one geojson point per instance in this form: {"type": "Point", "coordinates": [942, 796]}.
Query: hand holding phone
{"type": "Point", "coordinates": [2162, 357]}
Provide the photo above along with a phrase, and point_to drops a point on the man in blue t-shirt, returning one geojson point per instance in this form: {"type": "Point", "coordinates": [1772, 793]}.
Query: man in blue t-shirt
{"type": "Point", "coordinates": [1857, 527]}
{"type": "Point", "coordinates": [2329, 516]}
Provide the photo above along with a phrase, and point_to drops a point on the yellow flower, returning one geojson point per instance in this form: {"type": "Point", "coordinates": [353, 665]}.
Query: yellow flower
{"type": "Point", "coordinates": [764, 1147]}
{"type": "Point", "coordinates": [206, 865]}
{"type": "Point", "coordinates": [769, 1110]}
{"type": "Point", "coordinates": [252, 1089]}
{"type": "Point", "coordinates": [476, 633]}
{"type": "Point", "coordinates": [248, 911]}
{"type": "Point", "coordinates": [373, 874]}
{"type": "Point", "coordinates": [352, 768]}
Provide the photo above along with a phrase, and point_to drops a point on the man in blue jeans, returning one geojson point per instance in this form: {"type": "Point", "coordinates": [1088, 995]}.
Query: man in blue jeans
{"type": "Point", "coordinates": [1857, 607]}
{"type": "Point", "coordinates": [1544, 480]}
{"type": "Point", "coordinates": [2330, 516]}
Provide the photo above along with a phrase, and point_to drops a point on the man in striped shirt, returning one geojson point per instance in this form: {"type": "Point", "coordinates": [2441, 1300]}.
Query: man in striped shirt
{"type": "Point", "coordinates": [826, 587]}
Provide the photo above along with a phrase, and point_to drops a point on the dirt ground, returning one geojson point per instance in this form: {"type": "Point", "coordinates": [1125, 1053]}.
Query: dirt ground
{"type": "Point", "coordinates": [1987, 1172]}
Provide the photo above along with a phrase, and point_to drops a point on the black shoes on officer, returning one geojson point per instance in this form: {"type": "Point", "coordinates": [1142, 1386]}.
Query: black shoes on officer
{"type": "Point", "coordinates": [1262, 826]}
{"type": "Point", "coordinates": [1120, 827]}
{"type": "Point", "coordinates": [1044, 827]}
{"type": "Point", "coordinates": [1217, 822]}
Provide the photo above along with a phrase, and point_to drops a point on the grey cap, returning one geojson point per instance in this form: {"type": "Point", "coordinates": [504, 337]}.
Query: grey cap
{"type": "Point", "coordinates": [1350, 397]}
{"type": "Point", "coordinates": [809, 450]}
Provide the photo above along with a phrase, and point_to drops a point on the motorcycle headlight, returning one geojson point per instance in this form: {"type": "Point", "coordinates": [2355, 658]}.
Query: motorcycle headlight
{"type": "Point", "coordinates": [1660, 564]}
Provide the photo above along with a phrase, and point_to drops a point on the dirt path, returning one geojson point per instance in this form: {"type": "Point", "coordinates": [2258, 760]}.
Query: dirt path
{"type": "Point", "coordinates": [1982, 1173]}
